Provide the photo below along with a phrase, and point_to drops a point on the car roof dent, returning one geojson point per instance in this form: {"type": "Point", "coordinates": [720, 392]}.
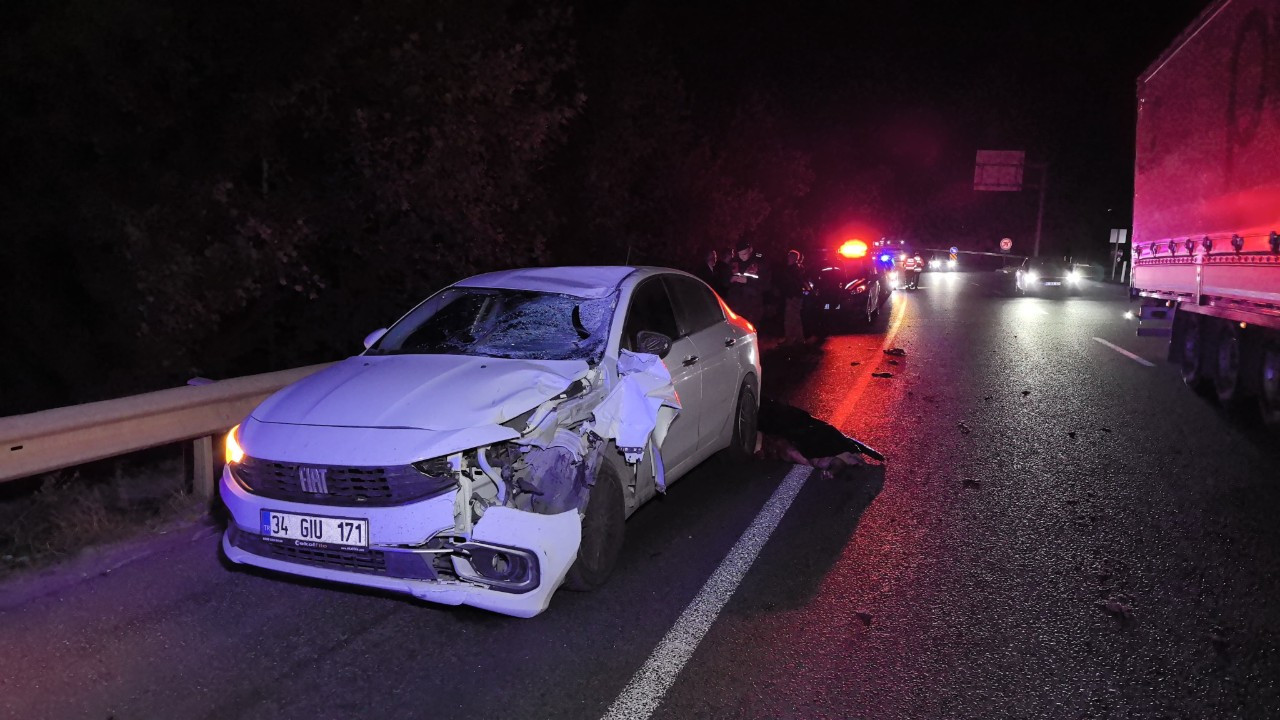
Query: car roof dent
{"type": "Point", "coordinates": [588, 281]}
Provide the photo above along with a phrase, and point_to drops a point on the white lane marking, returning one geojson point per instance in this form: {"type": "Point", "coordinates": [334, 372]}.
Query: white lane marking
{"type": "Point", "coordinates": [1126, 353]}
{"type": "Point", "coordinates": [649, 685]}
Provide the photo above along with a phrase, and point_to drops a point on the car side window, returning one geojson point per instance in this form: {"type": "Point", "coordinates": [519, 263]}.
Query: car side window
{"type": "Point", "coordinates": [695, 304]}
{"type": "Point", "coordinates": [650, 309]}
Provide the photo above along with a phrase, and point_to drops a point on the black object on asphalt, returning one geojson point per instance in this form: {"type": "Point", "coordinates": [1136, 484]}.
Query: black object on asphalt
{"type": "Point", "coordinates": [811, 436]}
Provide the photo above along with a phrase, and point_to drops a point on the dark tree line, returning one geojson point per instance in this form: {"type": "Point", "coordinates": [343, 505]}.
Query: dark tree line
{"type": "Point", "coordinates": [213, 189]}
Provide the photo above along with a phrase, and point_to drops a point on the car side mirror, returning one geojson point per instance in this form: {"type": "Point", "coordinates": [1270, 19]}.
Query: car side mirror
{"type": "Point", "coordinates": [648, 341]}
{"type": "Point", "coordinates": [374, 337]}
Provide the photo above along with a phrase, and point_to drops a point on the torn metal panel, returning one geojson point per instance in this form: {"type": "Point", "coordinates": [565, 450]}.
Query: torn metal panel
{"type": "Point", "coordinates": [632, 411]}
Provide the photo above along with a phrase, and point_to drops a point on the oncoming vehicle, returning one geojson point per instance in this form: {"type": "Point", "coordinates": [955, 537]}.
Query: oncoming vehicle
{"type": "Point", "coordinates": [849, 284]}
{"type": "Point", "coordinates": [489, 446]}
{"type": "Point", "coordinates": [1040, 275]}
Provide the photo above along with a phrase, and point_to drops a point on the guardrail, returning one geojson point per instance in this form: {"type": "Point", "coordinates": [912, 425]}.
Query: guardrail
{"type": "Point", "coordinates": [53, 439]}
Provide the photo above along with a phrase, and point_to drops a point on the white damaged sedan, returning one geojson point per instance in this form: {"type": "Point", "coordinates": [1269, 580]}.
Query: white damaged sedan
{"type": "Point", "coordinates": [488, 447]}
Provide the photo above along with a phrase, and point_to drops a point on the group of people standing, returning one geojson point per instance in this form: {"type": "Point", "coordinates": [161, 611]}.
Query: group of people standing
{"type": "Point", "coordinates": [749, 285]}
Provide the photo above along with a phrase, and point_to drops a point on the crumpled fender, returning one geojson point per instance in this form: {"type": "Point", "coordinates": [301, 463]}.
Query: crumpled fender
{"type": "Point", "coordinates": [630, 412]}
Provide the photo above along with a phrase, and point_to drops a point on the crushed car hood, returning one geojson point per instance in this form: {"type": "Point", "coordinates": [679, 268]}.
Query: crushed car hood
{"type": "Point", "coordinates": [427, 392]}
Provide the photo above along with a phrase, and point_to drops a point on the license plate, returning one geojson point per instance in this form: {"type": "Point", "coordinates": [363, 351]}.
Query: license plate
{"type": "Point", "coordinates": [1053, 283]}
{"type": "Point", "coordinates": [351, 532]}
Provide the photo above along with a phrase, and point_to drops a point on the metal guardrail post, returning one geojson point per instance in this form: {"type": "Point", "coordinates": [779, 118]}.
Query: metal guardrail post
{"type": "Point", "coordinates": [203, 471]}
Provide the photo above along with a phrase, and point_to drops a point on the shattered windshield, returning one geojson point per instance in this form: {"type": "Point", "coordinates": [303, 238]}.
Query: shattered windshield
{"type": "Point", "coordinates": [520, 324]}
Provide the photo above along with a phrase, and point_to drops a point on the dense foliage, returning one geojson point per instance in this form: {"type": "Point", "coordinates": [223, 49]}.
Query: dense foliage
{"type": "Point", "coordinates": [204, 189]}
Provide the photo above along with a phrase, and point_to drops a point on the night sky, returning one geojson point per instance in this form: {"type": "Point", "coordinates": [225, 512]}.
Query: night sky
{"type": "Point", "coordinates": [899, 95]}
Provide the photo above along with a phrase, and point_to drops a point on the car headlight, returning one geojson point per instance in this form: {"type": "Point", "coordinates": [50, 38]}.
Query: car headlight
{"type": "Point", "coordinates": [235, 453]}
{"type": "Point", "coordinates": [934, 264]}
{"type": "Point", "coordinates": [1031, 276]}
{"type": "Point", "coordinates": [951, 264]}
{"type": "Point", "coordinates": [1073, 276]}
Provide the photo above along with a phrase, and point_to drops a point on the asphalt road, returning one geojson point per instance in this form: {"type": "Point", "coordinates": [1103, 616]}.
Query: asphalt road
{"type": "Point", "coordinates": [1060, 531]}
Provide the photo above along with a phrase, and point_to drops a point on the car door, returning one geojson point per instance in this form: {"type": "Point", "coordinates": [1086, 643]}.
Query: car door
{"type": "Point", "coordinates": [700, 319]}
{"type": "Point", "coordinates": [650, 308]}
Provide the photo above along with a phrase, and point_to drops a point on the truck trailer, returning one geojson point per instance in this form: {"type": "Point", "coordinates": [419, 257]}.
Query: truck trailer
{"type": "Point", "coordinates": [1206, 212]}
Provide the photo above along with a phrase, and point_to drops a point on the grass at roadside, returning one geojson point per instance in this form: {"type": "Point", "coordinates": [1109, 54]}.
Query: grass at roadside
{"type": "Point", "coordinates": [59, 514]}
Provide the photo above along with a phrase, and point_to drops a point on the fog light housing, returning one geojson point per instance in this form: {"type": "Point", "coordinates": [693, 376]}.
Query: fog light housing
{"type": "Point", "coordinates": [501, 568]}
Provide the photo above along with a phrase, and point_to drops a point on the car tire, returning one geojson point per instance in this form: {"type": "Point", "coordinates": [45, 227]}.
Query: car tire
{"type": "Point", "coordinates": [746, 418]}
{"type": "Point", "coordinates": [603, 528]}
{"type": "Point", "coordinates": [873, 304]}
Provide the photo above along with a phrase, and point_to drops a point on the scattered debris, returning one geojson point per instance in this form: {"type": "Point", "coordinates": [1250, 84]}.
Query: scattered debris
{"type": "Point", "coordinates": [893, 362]}
{"type": "Point", "coordinates": [1072, 501]}
{"type": "Point", "coordinates": [1119, 605]}
{"type": "Point", "coordinates": [882, 374]}
{"type": "Point", "coordinates": [855, 362]}
{"type": "Point", "coordinates": [987, 398]}
{"type": "Point", "coordinates": [971, 483]}
{"type": "Point", "coordinates": [897, 352]}
{"type": "Point", "coordinates": [864, 617]}
{"type": "Point", "coordinates": [964, 429]}
{"type": "Point", "coordinates": [1071, 434]}
{"type": "Point", "coordinates": [1026, 393]}
{"type": "Point", "coordinates": [793, 434]}
{"type": "Point", "coordinates": [1219, 636]}
{"type": "Point", "coordinates": [1106, 429]}
{"type": "Point", "coordinates": [930, 398]}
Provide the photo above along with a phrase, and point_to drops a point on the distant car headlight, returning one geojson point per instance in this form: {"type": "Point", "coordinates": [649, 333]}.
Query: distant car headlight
{"type": "Point", "coordinates": [235, 453]}
{"type": "Point", "coordinates": [951, 264]}
{"type": "Point", "coordinates": [1074, 276]}
{"type": "Point", "coordinates": [1031, 276]}
{"type": "Point", "coordinates": [935, 264]}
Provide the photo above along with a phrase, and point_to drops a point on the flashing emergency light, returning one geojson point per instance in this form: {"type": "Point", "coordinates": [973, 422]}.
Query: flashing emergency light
{"type": "Point", "coordinates": [886, 257]}
{"type": "Point", "coordinates": [853, 249]}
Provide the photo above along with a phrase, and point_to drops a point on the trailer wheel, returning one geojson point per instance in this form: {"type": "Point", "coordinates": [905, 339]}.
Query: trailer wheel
{"type": "Point", "coordinates": [1193, 373]}
{"type": "Point", "coordinates": [1227, 378]}
{"type": "Point", "coordinates": [1269, 384]}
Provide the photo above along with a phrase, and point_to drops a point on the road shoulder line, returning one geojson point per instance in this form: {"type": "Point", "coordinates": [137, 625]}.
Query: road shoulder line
{"type": "Point", "coordinates": [1126, 353]}
{"type": "Point", "coordinates": [649, 685]}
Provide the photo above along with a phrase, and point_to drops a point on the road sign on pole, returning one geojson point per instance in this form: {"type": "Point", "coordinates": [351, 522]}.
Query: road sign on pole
{"type": "Point", "coordinates": [1119, 236]}
{"type": "Point", "coordinates": [999, 170]}
{"type": "Point", "coordinates": [1006, 245]}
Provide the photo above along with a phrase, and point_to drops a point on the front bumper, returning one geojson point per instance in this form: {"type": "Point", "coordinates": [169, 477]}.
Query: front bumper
{"type": "Point", "coordinates": [398, 558]}
{"type": "Point", "coordinates": [1050, 285]}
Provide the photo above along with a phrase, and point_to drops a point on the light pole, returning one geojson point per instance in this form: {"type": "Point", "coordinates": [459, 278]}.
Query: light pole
{"type": "Point", "coordinates": [1044, 180]}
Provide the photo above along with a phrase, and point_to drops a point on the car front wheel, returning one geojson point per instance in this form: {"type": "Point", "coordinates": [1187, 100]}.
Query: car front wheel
{"type": "Point", "coordinates": [603, 528]}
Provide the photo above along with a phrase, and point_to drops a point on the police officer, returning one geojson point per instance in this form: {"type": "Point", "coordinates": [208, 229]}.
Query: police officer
{"type": "Point", "coordinates": [746, 283]}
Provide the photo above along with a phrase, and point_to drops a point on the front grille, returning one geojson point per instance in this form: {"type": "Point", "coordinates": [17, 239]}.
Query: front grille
{"type": "Point", "coordinates": [389, 563]}
{"type": "Point", "coordinates": [369, 561]}
{"type": "Point", "coordinates": [366, 486]}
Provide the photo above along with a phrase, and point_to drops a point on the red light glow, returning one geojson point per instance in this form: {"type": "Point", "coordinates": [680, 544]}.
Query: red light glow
{"type": "Point", "coordinates": [853, 249]}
